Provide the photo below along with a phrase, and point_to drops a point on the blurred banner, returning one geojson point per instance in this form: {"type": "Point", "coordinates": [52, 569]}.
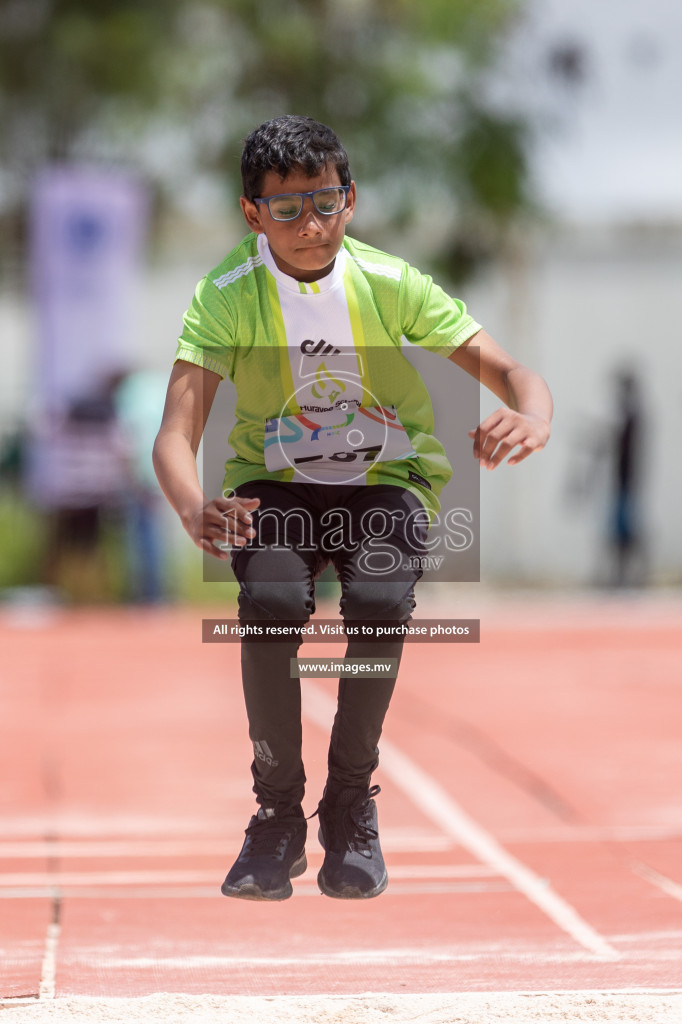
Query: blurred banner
{"type": "Point", "coordinates": [88, 228]}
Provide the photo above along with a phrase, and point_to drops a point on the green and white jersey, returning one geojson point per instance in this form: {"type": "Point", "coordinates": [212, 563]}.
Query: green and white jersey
{"type": "Point", "coordinates": [324, 393]}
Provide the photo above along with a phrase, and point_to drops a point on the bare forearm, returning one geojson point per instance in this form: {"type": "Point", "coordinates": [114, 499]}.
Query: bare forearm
{"type": "Point", "coordinates": [523, 422]}
{"type": "Point", "coordinates": [176, 470]}
{"type": "Point", "coordinates": [528, 393]}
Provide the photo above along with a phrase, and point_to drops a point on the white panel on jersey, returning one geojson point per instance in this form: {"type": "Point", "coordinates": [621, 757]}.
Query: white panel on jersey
{"type": "Point", "coordinates": [341, 430]}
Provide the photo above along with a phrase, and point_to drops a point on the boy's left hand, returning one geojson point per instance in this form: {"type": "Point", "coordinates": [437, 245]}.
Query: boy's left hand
{"type": "Point", "coordinates": [504, 430]}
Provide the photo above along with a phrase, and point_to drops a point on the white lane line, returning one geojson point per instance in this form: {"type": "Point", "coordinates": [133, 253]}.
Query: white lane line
{"type": "Point", "coordinates": [39, 849]}
{"type": "Point", "coordinates": [436, 803]}
{"type": "Point", "coordinates": [397, 839]}
{"type": "Point", "coordinates": [302, 888]}
{"type": "Point", "coordinates": [91, 825]}
{"type": "Point", "coordinates": [60, 879]}
{"type": "Point", "coordinates": [442, 871]}
{"type": "Point", "coordinates": [407, 840]}
{"type": "Point", "coordinates": [48, 972]}
{"type": "Point", "coordinates": [349, 957]}
{"type": "Point", "coordinates": [400, 958]}
{"type": "Point", "coordinates": [671, 936]}
{"type": "Point", "coordinates": [590, 833]}
{"type": "Point", "coordinates": [665, 884]}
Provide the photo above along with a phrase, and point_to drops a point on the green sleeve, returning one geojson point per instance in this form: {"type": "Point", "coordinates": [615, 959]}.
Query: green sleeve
{"type": "Point", "coordinates": [207, 338]}
{"type": "Point", "coordinates": [430, 317]}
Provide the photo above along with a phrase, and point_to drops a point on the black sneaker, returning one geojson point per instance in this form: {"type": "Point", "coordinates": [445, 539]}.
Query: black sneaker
{"type": "Point", "coordinates": [353, 867]}
{"type": "Point", "coordinates": [272, 854]}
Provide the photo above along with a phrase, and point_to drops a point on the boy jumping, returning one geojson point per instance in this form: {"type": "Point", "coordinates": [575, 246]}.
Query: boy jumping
{"type": "Point", "coordinates": [334, 450]}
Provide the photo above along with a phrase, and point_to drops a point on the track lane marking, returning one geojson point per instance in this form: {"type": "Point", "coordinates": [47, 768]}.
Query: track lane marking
{"type": "Point", "coordinates": [48, 971]}
{"type": "Point", "coordinates": [662, 882]}
{"type": "Point", "coordinates": [51, 879]}
{"type": "Point", "coordinates": [307, 888]}
{"type": "Point", "coordinates": [397, 840]}
{"type": "Point", "coordinates": [436, 803]}
{"type": "Point", "coordinates": [406, 957]}
{"type": "Point", "coordinates": [393, 839]}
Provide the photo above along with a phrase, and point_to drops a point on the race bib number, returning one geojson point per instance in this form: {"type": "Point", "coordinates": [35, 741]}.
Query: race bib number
{"type": "Point", "coordinates": [336, 446]}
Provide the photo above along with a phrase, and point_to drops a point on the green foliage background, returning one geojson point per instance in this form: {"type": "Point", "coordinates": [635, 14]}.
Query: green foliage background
{"type": "Point", "coordinates": [174, 86]}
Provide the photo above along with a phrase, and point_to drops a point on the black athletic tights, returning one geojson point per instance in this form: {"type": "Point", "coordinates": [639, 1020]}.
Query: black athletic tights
{"type": "Point", "coordinates": [369, 534]}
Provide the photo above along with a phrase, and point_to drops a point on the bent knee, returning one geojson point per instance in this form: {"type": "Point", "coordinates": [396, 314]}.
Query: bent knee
{"type": "Point", "coordinates": [392, 602]}
{"type": "Point", "coordinates": [285, 601]}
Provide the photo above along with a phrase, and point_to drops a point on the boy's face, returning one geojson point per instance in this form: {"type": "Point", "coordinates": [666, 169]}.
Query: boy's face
{"type": "Point", "coordinates": [304, 248]}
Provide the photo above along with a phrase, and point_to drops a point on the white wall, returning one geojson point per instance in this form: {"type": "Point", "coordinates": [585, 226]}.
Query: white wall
{"type": "Point", "coordinates": [593, 302]}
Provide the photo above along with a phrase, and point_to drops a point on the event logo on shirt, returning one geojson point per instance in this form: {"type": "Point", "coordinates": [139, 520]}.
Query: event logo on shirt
{"type": "Point", "coordinates": [327, 386]}
{"type": "Point", "coordinates": [332, 428]}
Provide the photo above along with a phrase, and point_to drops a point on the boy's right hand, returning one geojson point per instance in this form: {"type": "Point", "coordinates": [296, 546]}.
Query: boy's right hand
{"type": "Point", "coordinates": [224, 521]}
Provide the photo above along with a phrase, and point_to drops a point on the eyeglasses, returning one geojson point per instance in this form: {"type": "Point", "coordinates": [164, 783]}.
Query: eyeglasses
{"type": "Point", "coordinates": [327, 201]}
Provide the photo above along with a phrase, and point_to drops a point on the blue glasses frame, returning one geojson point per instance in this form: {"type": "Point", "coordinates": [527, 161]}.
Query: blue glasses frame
{"type": "Point", "coordinates": [303, 196]}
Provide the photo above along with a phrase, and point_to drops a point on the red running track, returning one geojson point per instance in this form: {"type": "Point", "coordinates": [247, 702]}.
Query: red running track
{"type": "Point", "coordinates": [531, 812]}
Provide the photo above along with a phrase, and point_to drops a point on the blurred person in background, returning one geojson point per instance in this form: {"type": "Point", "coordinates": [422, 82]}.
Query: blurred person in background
{"type": "Point", "coordinates": [77, 476]}
{"type": "Point", "coordinates": [139, 401]}
{"type": "Point", "coordinates": [627, 544]}
{"type": "Point", "coordinates": [607, 478]}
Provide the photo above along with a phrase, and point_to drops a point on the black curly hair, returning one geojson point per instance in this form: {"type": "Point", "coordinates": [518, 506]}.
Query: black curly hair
{"type": "Point", "coordinates": [287, 143]}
